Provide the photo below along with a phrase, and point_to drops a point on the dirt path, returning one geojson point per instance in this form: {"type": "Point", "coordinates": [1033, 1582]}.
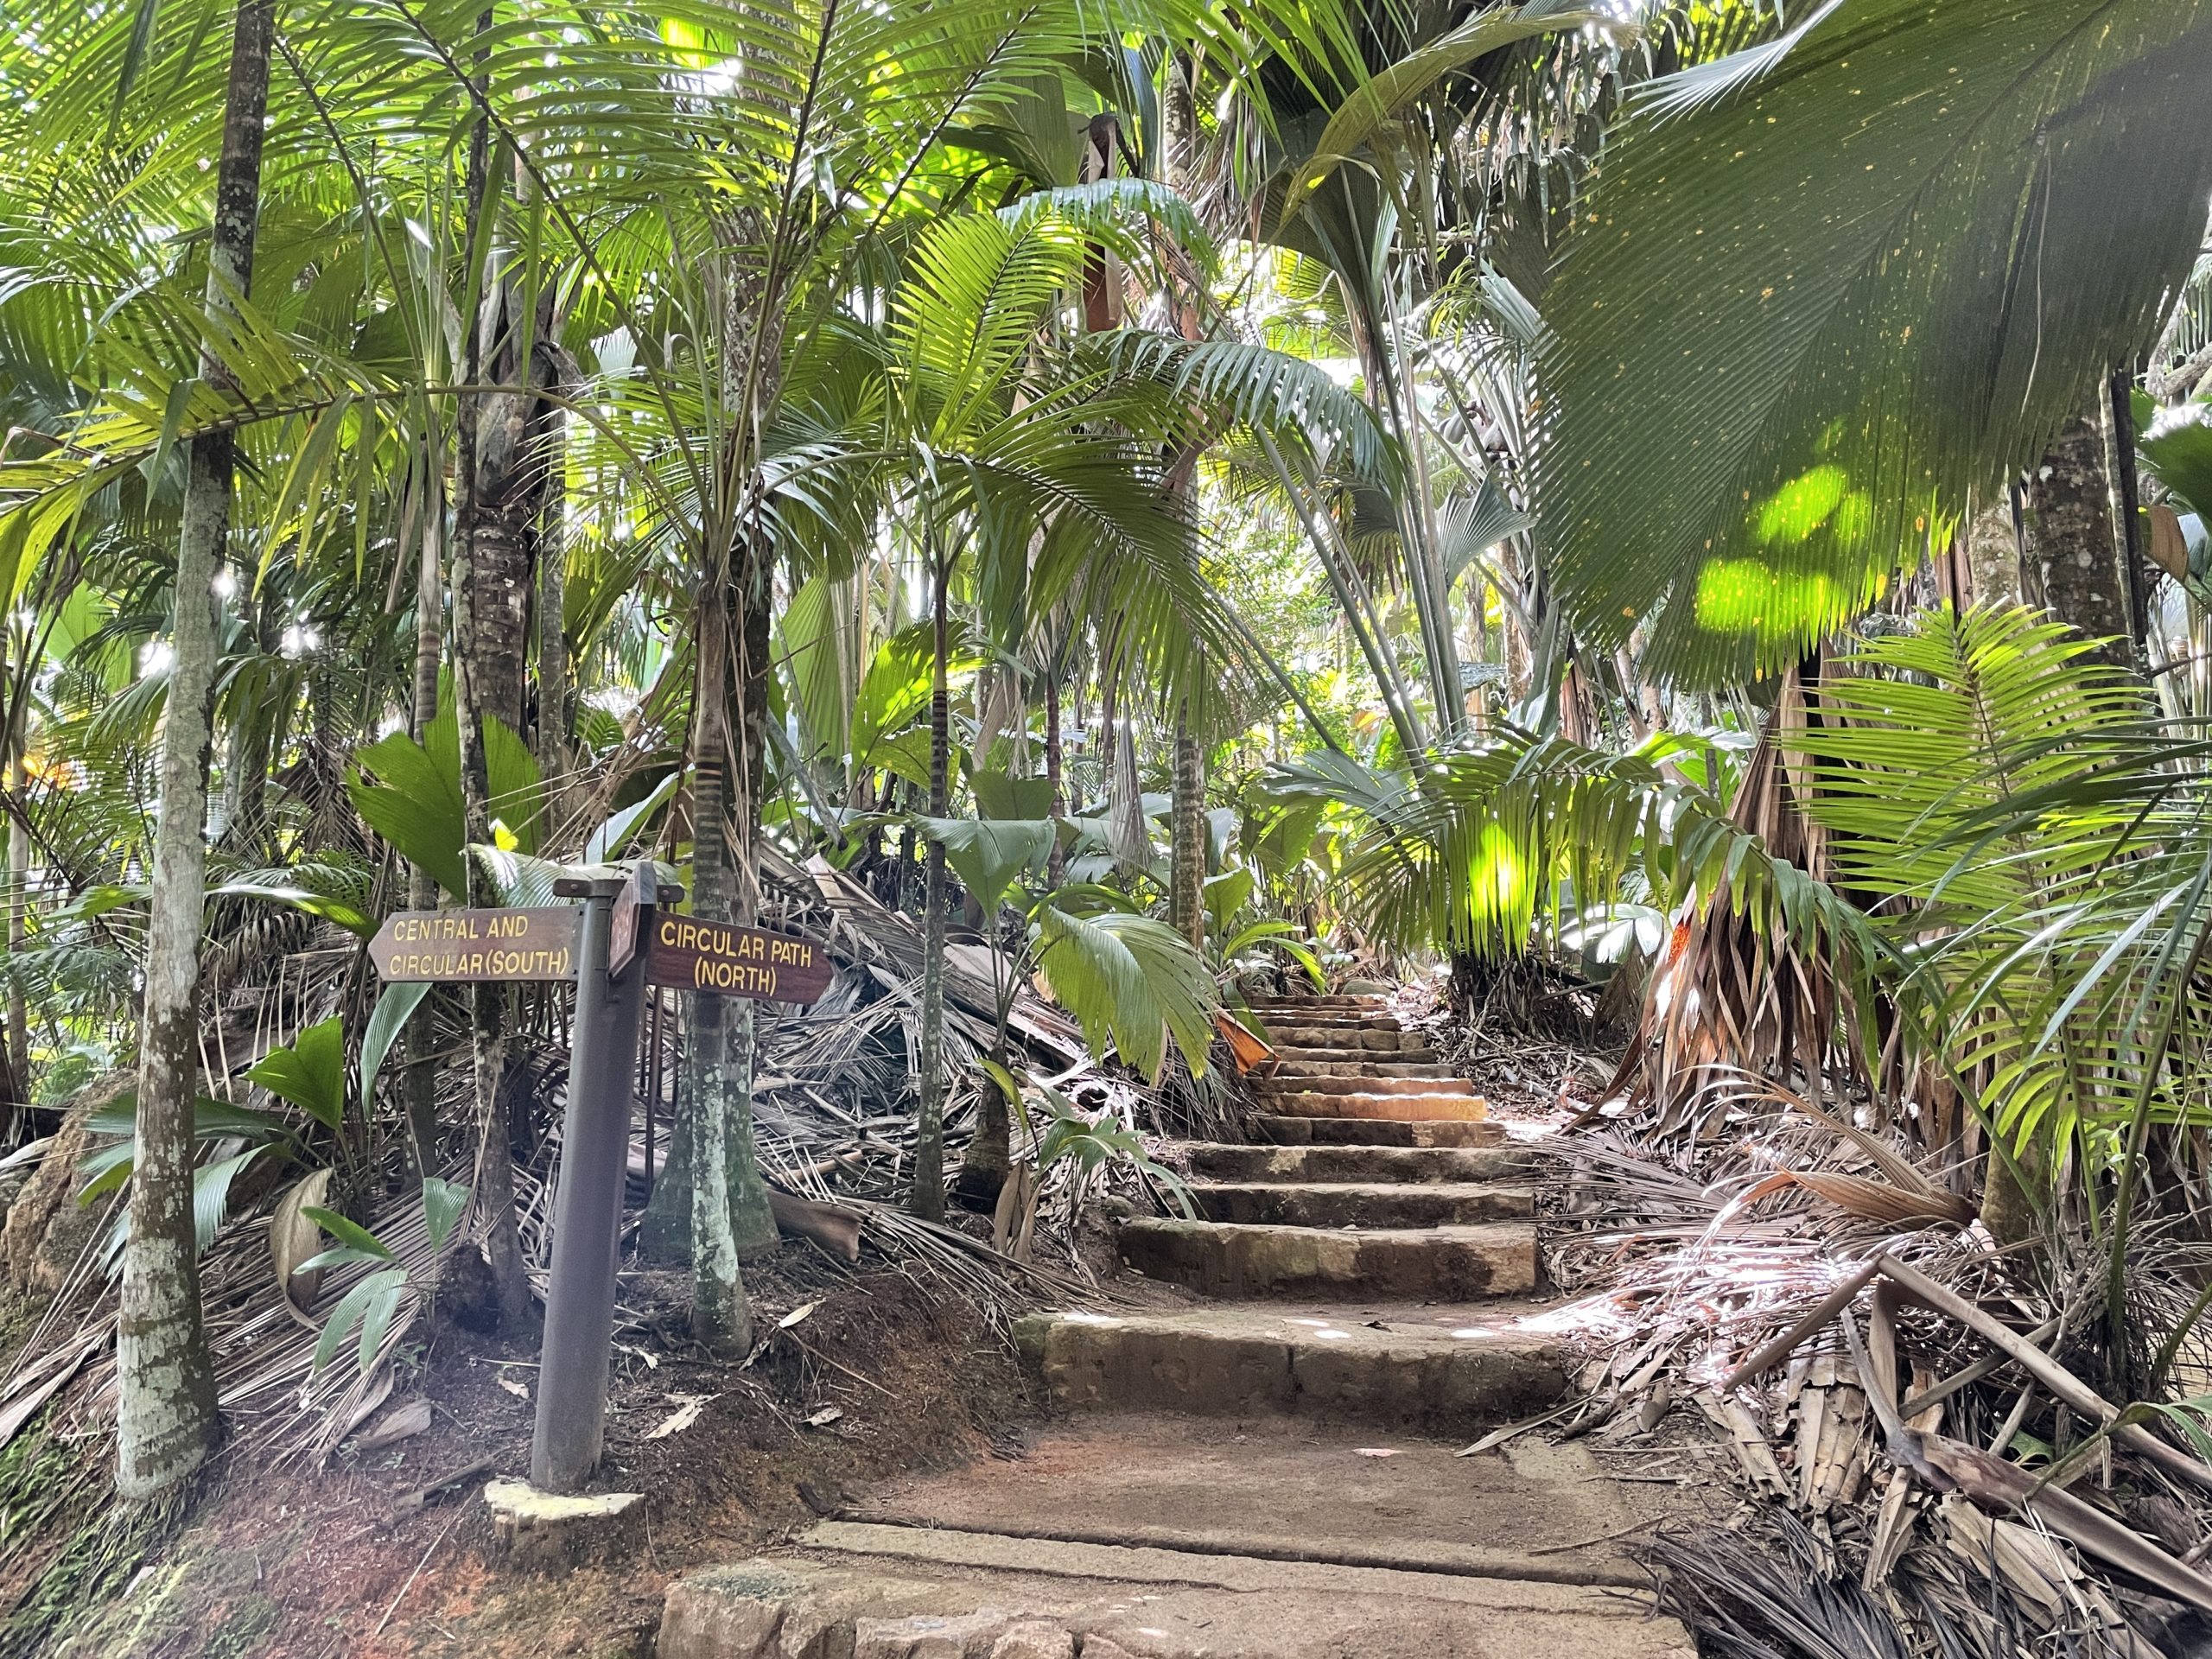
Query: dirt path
{"type": "Point", "coordinates": [1270, 1470]}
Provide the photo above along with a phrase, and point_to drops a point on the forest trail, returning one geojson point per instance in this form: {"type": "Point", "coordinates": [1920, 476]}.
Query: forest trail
{"type": "Point", "coordinates": [1268, 1469]}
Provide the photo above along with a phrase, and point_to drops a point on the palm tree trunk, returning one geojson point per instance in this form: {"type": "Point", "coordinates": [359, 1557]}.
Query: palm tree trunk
{"type": "Point", "coordinates": [1186, 907]}
{"type": "Point", "coordinates": [552, 607]}
{"type": "Point", "coordinates": [19, 875]}
{"type": "Point", "coordinates": [752, 1222]}
{"type": "Point", "coordinates": [928, 1200]}
{"type": "Point", "coordinates": [166, 1416]}
{"type": "Point", "coordinates": [721, 1316]}
{"type": "Point", "coordinates": [2074, 553]}
{"type": "Point", "coordinates": [421, 887]}
{"type": "Point", "coordinates": [479, 659]}
{"type": "Point", "coordinates": [1056, 862]}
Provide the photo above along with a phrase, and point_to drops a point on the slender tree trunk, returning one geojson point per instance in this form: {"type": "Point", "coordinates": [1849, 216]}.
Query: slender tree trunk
{"type": "Point", "coordinates": [480, 658]}
{"type": "Point", "coordinates": [166, 1416]}
{"type": "Point", "coordinates": [552, 606]}
{"type": "Point", "coordinates": [720, 1317]}
{"type": "Point", "coordinates": [1186, 877]}
{"type": "Point", "coordinates": [422, 1079]}
{"type": "Point", "coordinates": [929, 1147]}
{"type": "Point", "coordinates": [753, 1224]}
{"type": "Point", "coordinates": [19, 875]}
{"type": "Point", "coordinates": [1056, 862]}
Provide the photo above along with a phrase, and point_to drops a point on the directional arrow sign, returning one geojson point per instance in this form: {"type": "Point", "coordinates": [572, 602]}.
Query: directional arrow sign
{"type": "Point", "coordinates": [534, 943]}
{"type": "Point", "coordinates": [728, 960]}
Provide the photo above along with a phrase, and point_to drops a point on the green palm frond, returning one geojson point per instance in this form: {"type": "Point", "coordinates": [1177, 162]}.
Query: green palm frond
{"type": "Point", "coordinates": [1132, 980]}
{"type": "Point", "coordinates": [1799, 324]}
{"type": "Point", "coordinates": [1973, 776]}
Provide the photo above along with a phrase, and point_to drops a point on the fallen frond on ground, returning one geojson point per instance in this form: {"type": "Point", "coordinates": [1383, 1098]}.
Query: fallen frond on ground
{"type": "Point", "coordinates": [1925, 1461]}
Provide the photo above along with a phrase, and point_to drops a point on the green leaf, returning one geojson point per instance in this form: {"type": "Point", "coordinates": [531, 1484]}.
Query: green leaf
{"type": "Point", "coordinates": [1801, 324]}
{"type": "Point", "coordinates": [998, 796]}
{"type": "Point", "coordinates": [612, 838]}
{"type": "Point", "coordinates": [416, 807]}
{"type": "Point", "coordinates": [1383, 97]}
{"type": "Point", "coordinates": [988, 853]}
{"type": "Point", "coordinates": [393, 1011]}
{"type": "Point", "coordinates": [211, 1120]}
{"type": "Point", "coordinates": [1130, 979]}
{"type": "Point", "coordinates": [351, 1234]}
{"type": "Point", "coordinates": [517, 789]}
{"type": "Point", "coordinates": [211, 1194]}
{"type": "Point", "coordinates": [311, 1073]}
{"type": "Point", "coordinates": [442, 1204]}
{"type": "Point", "coordinates": [380, 1291]}
{"type": "Point", "coordinates": [314, 904]}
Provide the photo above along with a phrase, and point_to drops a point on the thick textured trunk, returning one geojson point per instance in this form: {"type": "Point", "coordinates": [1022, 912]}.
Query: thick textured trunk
{"type": "Point", "coordinates": [928, 1201]}
{"type": "Point", "coordinates": [498, 582]}
{"type": "Point", "coordinates": [2073, 553]}
{"type": "Point", "coordinates": [1186, 881]}
{"type": "Point", "coordinates": [482, 659]}
{"type": "Point", "coordinates": [166, 1417]}
{"type": "Point", "coordinates": [1993, 552]}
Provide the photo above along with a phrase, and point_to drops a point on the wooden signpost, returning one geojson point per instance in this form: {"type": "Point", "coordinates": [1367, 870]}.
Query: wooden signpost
{"type": "Point", "coordinates": [597, 944]}
{"type": "Point", "coordinates": [536, 942]}
{"type": "Point", "coordinates": [725, 959]}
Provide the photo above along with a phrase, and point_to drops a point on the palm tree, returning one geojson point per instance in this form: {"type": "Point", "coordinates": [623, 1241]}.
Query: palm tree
{"type": "Point", "coordinates": [166, 1416]}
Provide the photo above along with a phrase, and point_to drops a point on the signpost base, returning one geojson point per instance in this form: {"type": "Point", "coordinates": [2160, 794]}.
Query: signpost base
{"type": "Point", "coordinates": [588, 1204]}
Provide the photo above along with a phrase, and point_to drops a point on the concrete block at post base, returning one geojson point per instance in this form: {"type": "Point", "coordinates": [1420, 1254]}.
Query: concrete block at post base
{"type": "Point", "coordinates": [549, 1532]}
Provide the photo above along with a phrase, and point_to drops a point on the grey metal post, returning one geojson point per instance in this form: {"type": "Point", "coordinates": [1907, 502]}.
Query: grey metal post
{"type": "Point", "coordinates": [587, 1212]}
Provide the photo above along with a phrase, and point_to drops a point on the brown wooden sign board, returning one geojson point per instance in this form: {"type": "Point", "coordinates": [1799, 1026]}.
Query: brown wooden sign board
{"type": "Point", "coordinates": [723, 960]}
{"type": "Point", "coordinates": [525, 942]}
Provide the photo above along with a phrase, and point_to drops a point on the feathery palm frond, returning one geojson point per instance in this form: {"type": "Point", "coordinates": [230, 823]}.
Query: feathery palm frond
{"type": "Point", "coordinates": [1798, 325]}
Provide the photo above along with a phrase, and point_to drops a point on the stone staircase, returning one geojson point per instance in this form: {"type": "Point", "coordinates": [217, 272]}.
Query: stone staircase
{"type": "Point", "coordinates": [1381, 1190]}
{"type": "Point", "coordinates": [1268, 1468]}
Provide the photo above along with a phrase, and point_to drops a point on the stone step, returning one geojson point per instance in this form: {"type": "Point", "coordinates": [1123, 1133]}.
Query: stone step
{"type": "Point", "coordinates": [1404, 1107]}
{"type": "Point", "coordinates": [1308, 1163]}
{"type": "Point", "coordinates": [1359, 1066]}
{"type": "Point", "coordinates": [1456, 1263]}
{"type": "Point", "coordinates": [1317, 1004]}
{"type": "Point", "coordinates": [1370, 1085]}
{"type": "Point", "coordinates": [1280, 1487]}
{"type": "Point", "coordinates": [877, 1591]}
{"type": "Point", "coordinates": [1363, 1204]}
{"type": "Point", "coordinates": [1447, 1369]}
{"type": "Point", "coordinates": [1360, 1039]}
{"type": "Point", "coordinates": [1454, 1132]}
{"type": "Point", "coordinates": [1305, 1056]}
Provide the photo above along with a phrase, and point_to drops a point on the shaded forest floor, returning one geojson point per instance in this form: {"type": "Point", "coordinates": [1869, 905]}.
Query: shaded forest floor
{"type": "Point", "coordinates": [884, 1374]}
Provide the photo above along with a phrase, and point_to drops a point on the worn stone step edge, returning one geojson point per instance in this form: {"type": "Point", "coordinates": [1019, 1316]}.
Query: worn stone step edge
{"type": "Point", "coordinates": [1238, 1259]}
{"type": "Point", "coordinates": [1309, 1163]}
{"type": "Point", "coordinates": [1292, 1068]}
{"type": "Point", "coordinates": [1398, 1108]}
{"type": "Point", "coordinates": [1085, 1362]}
{"type": "Point", "coordinates": [1368, 1085]}
{"type": "Point", "coordinates": [1366, 1205]}
{"type": "Point", "coordinates": [1423, 1132]}
{"type": "Point", "coordinates": [1294, 1056]}
{"type": "Point", "coordinates": [1348, 1040]}
{"type": "Point", "coordinates": [1446, 1559]}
